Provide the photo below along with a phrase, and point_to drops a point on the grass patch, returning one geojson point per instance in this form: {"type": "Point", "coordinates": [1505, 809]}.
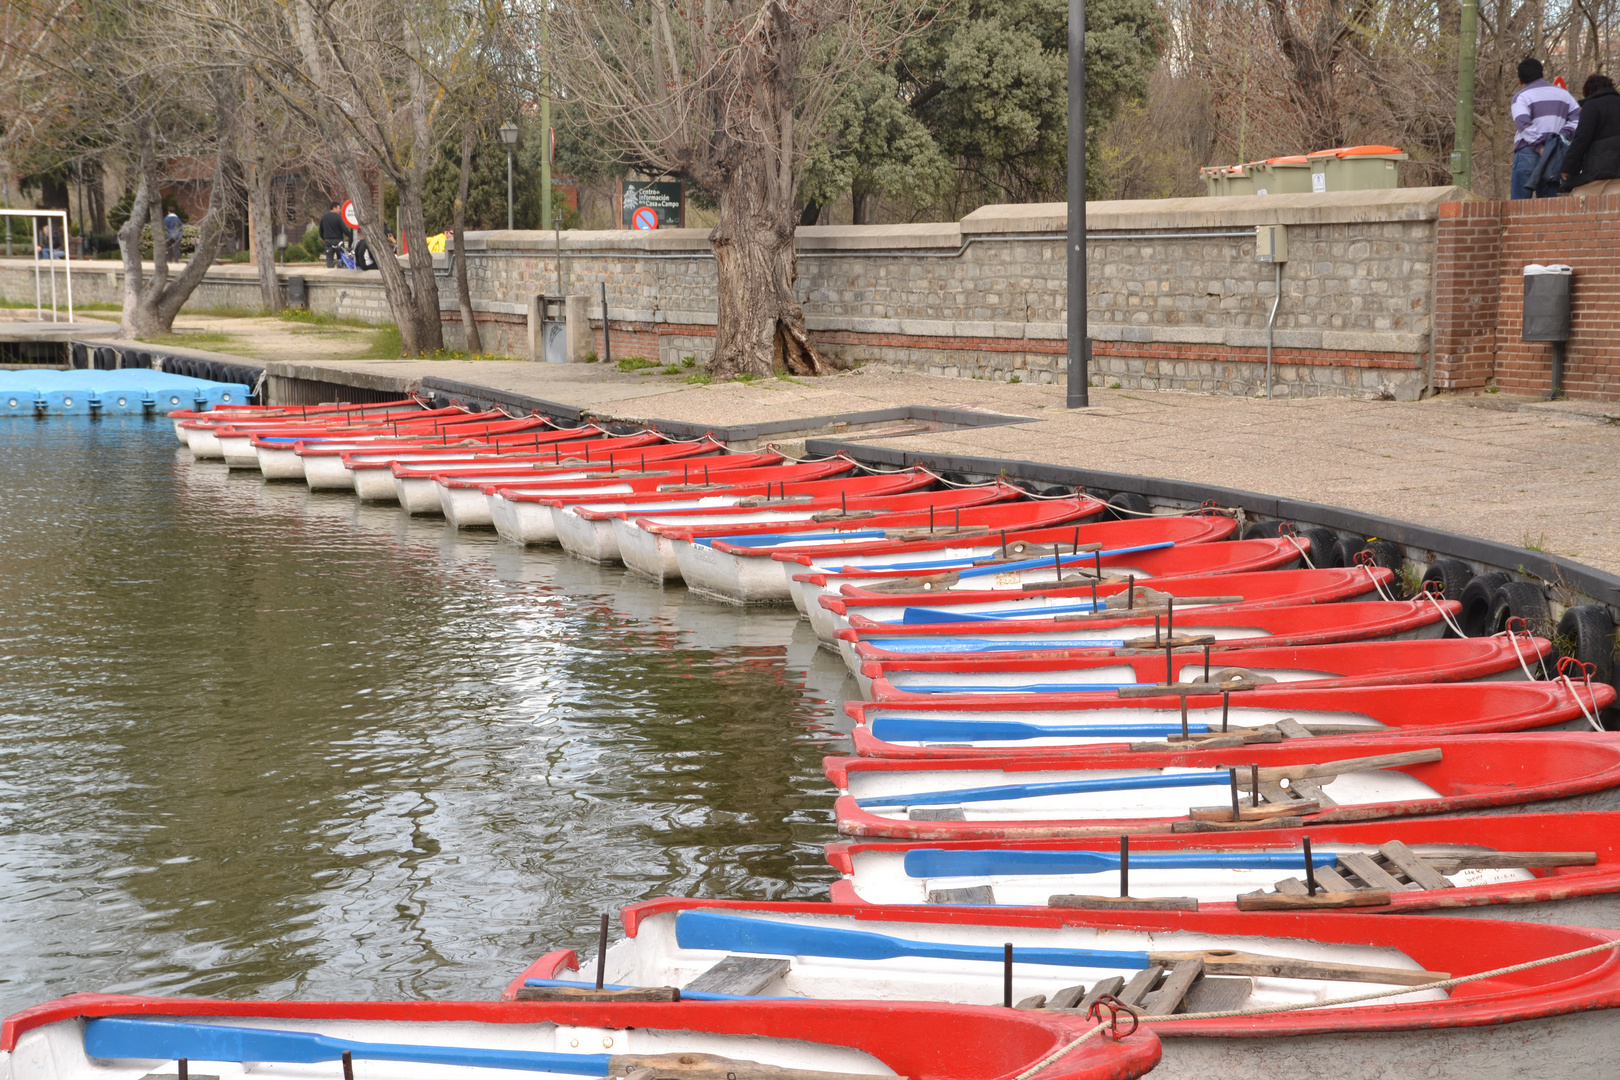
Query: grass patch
{"type": "Point", "coordinates": [688, 361]}
{"type": "Point", "coordinates": [785, 377]}
{"type": "Point", "coordinates": [1114, 385]}
{"type": "Point", "coordinates": [207, 340]}
{"type": "Point", "coordinates": [590, 358]}
{"type": "Point", "coordinates": [1015, 378]}
{"type": "Point", "coordinates": [745, 377]}
{"type": "Point", "coordinates": [635, 363]}
{"type": "Point", "coordinates": [61, 308]}
{"type": "Point", "coordinates": [386, 344]}
{"type": "Point", "coordinates": [670, 369]}
{"type": "Point", "coordinates": [698, 378]}
{"type": "Point", "coordinates": [312, 318]}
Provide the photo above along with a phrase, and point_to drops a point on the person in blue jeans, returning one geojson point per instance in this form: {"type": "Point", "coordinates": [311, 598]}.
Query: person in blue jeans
{"type": "Point", "coordinates": [1544, 119]}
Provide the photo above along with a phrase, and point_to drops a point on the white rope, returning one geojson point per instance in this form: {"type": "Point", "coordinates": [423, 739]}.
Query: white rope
{"type": "Point", "coordinates": [1299, 548]}
{"type": "Point", "coordinates": [1444, 614]}
{"type": "Point", "coordinates": [1376, 584]}
{"type": "Point", "coordinates": [1513, 639]}
{"type": "Point", "coordinates": [1591, 717]}
{"type": "Point", "coordinates": [1443, 984]}
{"type": "Point", "coordinates": [1300, 1006]}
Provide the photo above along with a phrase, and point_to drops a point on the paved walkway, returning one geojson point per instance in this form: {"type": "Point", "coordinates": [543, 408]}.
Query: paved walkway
{"type": "Point", "coordinates": [1530, 475]}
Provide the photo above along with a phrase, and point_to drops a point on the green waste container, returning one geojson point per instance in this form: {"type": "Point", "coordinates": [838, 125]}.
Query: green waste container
{"type": "Point", "coordinates": [1355, 168]}
{"type": "Point", "coordinates": [1285, 176]}
{"type": "Point", "coordinates": [1228, 179]}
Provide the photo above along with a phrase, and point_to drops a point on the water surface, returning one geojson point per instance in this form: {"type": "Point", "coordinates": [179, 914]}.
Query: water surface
{"type": "Point", "coordinates": [262, 742]}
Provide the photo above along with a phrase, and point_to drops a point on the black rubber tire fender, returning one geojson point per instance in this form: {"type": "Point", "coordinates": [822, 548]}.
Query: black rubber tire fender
{"type": "Point", "coordinates": [1324, 547]}
{"type": "Point", "coordinates": [1586, 632]}
{"type": "Point", "coordinates": [1132, 505]}
{"type": "Point", "coordinates": [1476, 602]}
{"type": "Point", "coordinates": [1347, 548]}
{"type": "Point", "coordinates": [1453, 576]}
{"type": "Point", "coordinates": [1261, 530]}
{"type": "Point", "coordinates": [1520, 600]}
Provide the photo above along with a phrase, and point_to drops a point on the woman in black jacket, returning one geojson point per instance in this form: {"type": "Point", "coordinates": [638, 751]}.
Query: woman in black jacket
{"type": "Point", "coordinates": [1594, 152]}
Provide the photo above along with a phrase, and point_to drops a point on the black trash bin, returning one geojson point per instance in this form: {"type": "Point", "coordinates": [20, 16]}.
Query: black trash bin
{"type": "Point", "coordinates": [1546, 313]}
{"type": "Point", "coordinates": [297, 292]}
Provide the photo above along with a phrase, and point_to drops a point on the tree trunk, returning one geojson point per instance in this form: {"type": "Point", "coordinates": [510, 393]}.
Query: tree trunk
{"type": "Point", "coordinates": [264, 239]}
{"type": "Point", "coordinates": [469, 326]}
{"type": "Point", "coordinates": [761, 325]}
{"type": "Point", "coordinates": [150, 305]}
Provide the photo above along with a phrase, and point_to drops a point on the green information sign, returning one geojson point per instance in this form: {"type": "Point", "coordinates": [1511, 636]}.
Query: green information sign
{"type": "Point", "coordinates": [665, 198]}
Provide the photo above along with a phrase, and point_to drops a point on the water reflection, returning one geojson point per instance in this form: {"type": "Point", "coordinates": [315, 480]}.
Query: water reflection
{"type": "Point", "coordinates": [262, 742]}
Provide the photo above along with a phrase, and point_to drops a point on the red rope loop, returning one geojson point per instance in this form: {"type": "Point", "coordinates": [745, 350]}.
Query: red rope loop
{"type": "Point", "coordinates": [1114, 1007]}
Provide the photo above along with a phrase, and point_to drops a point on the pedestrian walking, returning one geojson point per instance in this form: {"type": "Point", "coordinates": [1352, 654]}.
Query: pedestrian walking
{"type": "Point", "coordinates": [171, 235]}
{"type": "Point", "coordinates": [332, 230]}
{"type": "Point", "coordinates": [1592, 162]}
{"type": "Point", "coordinates": [1544, 119]}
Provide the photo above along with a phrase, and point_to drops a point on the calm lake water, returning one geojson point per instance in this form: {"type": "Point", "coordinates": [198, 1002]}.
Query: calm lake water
{"type": "Point", "coordinates": [260, 742]}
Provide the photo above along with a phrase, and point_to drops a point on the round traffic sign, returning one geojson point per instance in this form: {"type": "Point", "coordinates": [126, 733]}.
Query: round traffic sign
{"type": "Point", "coordinates": [349, 217]}
{"type": "Point", "coordinates": [645, 217]}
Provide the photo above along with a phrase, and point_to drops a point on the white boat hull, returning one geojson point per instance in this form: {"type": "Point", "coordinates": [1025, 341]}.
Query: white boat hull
{"type": "Point", "coordinates": [588, 538]}
{"type": "Point", "coordinates": [732, 578]}
{"type": "Point", "coordinates": [280, 463]}
{"type": "Point", "coordinates": [648, 553]}
{"type": "Point", "coordinates": [464, 507]}
{"type": "Point", "coordinates": [239, 451]}
{"type": "Point", "coordinates": [375, 485]}
{"type": "Point", "coordinates": [523, 522]}
{"type": "Point", "coordinates": [418, 494]}
{"type": "Point", "coordinates": [326, 472]}
{"type": "Point", "coordinates": [203, 444]}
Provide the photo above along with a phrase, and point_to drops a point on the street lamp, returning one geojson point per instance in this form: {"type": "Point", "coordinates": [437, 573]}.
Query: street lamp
{"type": "Point", "coordinates": [509, 134]}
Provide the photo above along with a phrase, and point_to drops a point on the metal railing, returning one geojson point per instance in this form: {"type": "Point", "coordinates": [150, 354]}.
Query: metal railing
{"type": "Point", "coordinates": [51, 259]}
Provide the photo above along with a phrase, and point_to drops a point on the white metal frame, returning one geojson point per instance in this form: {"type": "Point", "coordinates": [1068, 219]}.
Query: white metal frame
{"type": "Point", "coordinates": [66, 260]}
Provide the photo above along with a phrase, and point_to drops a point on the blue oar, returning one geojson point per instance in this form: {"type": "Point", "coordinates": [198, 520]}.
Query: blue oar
{"type": "Point", "coordinates": [939, 862]}
{"type": "Point", "coordinates": [927, 729]}
{"type": "Point", "coordinates": [1024, 688]}
{"type": "Point", "coordinates": [1000, 567]}
{"type": "Point", "coordinates": [1055, 787]}
{"type": "Point", "coordinates": [166, 1039]}
{"type": "Point", "coordinates": [912, 616]}
{"type": "Point", "coordinates": [686, 995]}
{"type": "Point", "coordinates": [1020, 643]}
{"type": "Point", "coordinates": [772, 539]}
{"type": "Point", "coordinates": [735, 933]}
{"type": "Point", "coordinates": [1066, 560]}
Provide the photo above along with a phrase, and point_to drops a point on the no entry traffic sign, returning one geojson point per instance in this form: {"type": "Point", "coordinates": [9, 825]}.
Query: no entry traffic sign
{"type": "Point", "coordinates": [349, 217]}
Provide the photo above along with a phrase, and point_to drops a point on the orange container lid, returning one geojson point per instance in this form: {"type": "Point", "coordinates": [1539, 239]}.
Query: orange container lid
{"type": "Point", "coordinates": [1292, 159]}
{"type": "Point", "coordinates": [1369, 151]}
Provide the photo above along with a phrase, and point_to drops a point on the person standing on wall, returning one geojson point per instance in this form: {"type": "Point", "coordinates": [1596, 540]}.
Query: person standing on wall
{"type": "Point", "coordinates": [332, 232]}
{"type": "Point", "coordinates": [1544, 119]}
{"type": "Point", "coordinates": [1592, 163]}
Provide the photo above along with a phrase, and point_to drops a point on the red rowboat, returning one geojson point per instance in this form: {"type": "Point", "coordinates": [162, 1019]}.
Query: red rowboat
{"type": "Point", "coordinates": [1295, 981]}
{"type": "Point", "coordinates": [1562, 868]}
{"type": "Point", "coordinates": [93, 1036]}
{"type": "Point", "coordinates": [1049, 680]}
{"type": "Point", "coordinates": [1105, 793]}
{"type": "Point", "coordinates": [975, 725]}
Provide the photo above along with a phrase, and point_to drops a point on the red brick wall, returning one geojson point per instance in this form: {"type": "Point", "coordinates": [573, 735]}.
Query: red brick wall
{"type": "Point", "coordinates": [1482, 250]}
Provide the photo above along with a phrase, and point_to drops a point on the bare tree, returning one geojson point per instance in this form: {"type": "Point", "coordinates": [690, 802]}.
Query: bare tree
{"type": "Point", "coordinates": [727, 92]}
{"type": "Point", "coordinates": [469, 326]}
{"type": "Point", "coordinates": [266, 139]}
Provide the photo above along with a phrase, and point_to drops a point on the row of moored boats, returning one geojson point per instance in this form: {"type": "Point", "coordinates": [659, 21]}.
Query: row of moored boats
{"type": "Point", "coordinates": [1126, 773]}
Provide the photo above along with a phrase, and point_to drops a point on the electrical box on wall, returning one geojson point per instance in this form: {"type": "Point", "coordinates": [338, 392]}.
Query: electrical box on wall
{"type": "Point", "coordinates": [1271, 243]}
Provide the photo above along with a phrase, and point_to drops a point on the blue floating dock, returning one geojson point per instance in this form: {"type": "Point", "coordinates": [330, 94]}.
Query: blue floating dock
{"type": "Point", "coordinates": [87, 392]}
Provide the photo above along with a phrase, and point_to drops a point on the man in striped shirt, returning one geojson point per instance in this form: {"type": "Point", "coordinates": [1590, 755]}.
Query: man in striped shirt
{"type": "Point", "coordinates": [1544, 118]}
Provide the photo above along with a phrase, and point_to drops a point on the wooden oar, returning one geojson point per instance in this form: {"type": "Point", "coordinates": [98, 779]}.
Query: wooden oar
{"type": "Point", "coordinates": [118, 1037]}
{"type": "Point", "coordinates": [1055, 787]}
{"type": "Point", "coordinates": [1326, 769]}
{"type": "Point", "coordinates": [734, 933]}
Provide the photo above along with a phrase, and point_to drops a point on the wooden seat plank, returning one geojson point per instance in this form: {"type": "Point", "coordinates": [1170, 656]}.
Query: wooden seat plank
{"type": "Point", "coordinates": [1141, 984]}
{"type": "Point", "coordinates": [1363, 867]}
{"type": "Point", "coordinates": [1293, 729]}
{"type": "Point", "coordinates": [1067, 998]}
{"type": "Point", "coordinates": [932, 813]}
{"type": "Point", "coordinates": [1422, 874]}
{"type": "Point", "coordinates": [1167, 998]}
{"type": "Point", "coordinates": [1111, 985]}
{"type": "Point", "coordinates": [1331, 880]}
{"type": "Point", "coordinates": [1218, 993]}
{"type": "Point", "coordinates": [741, 975]}
{"type": "Point", "coordinates": [1034, 1001]}
{"type": "Point", "coordinates": [1292, 887]}
{"type": "Point", "coordinates": [973, 894]}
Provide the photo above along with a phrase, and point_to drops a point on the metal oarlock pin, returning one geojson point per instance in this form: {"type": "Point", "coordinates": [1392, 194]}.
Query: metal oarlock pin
{"type": "Point", "coordinates": [601, 953]}
{"type": "Point", "coordinates": [1237, 813]}
{"type": "Point", "coordinates": [1310, 871]}
{"type": "Point", "coordinates": [1254, 785]}
{"type": "Point", "coordinates": [1006, 976]}
{"type": "Point", "coordinates": [348, 1065]}
{"type": "Point", "coordinates": [1130, 591]}
{"type": "Point", "coordinates": [184, 1068]}
{"type": "Point", "coordinates": [1124, 866]}
{"type": "Point", "coordinates": [1226, 705]}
